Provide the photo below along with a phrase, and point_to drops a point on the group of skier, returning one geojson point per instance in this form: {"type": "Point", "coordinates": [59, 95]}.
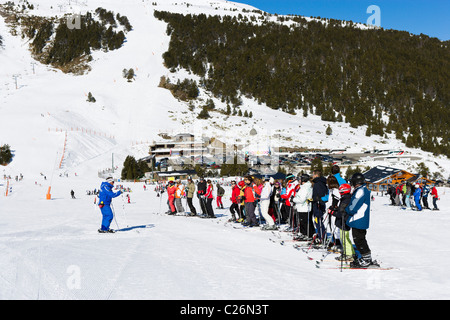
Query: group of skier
{"type": "Point", "coordinates": [330, 212]}
{"type": "Point", "coordinates": [204, 190]}
{"type": "Point", "coordinates": [413, 196]}
{"type": "Point", "coordinates": [299, 203]}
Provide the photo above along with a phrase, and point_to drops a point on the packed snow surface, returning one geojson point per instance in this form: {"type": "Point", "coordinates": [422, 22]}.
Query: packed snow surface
{"type": "Point", "coordinates": [51, 250]}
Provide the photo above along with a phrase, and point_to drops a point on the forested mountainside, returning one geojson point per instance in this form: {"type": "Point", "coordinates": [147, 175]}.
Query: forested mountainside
{"type": "Point", "coordinates": [391, 81]}
{"type": "Point", "coordinates": [54, 42]}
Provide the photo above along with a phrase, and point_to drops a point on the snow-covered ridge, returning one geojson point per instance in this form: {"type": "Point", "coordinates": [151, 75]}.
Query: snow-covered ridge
{"type": "Point", "coordinates": [46, 99]}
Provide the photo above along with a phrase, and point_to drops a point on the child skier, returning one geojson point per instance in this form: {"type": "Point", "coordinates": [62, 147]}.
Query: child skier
{"type": "Point", "coordinates": [347, 248]}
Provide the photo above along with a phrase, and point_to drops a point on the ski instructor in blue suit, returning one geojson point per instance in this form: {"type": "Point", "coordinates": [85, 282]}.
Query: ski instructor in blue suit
{"type": "Point", "coordinates": [104, 202]}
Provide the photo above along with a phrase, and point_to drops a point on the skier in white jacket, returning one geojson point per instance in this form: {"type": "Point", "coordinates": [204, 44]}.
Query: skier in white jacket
{"type": "Point", "coordinates": [265, 203]}
{"type": "Point", "coordinates": [302, 202]}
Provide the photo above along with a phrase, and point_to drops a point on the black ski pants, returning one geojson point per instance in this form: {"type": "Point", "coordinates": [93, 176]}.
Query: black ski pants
{"type": "Point", "coordinates": [191, 206]}
{"type": "Point", "coordinates": [359, 238]}
{"type": "Point", "coordinates": [234, 209]}
{"type": "Point", "coordinates": [209, 208]}
{"type": "Point", "coordinates": [306, 223]}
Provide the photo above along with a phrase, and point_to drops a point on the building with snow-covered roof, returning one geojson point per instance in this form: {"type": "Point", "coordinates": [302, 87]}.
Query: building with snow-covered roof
{"type": "Point", "coordinates": [380, 177]}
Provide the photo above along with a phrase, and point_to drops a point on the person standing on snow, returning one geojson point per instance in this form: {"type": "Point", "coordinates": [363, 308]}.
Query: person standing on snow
{"type": "Point", "coordinates": [320, 197]}
{"type": "Point", "coordinates": [171, 189]}
{"type": "Point", "coordinates": [190, 195]}
{"type": "Point", "coordinates": [220, 193]}
{"type": "Point", "coordinates": [335, 171]}
{"type": "Point", "coordinates": [335, 197]}
{"type": "Point", "coordinates": [417, 196]}
{"type": "Point", "coordinates": [201, 191]}
{"type": "Point", "coordinates": [105, 197]}
{"type": "Point", "coordinates": [209, 198]}
{"type": "Point", "coordinates": [408, 195]}
{"type": "Point", "coordinates": [266, 192]}
{"type": "Point", "coordinates": [242, 212]}
{"type": "Point", "coordinates": [249, 199]}
{"type": "Point", "coordinates": [291, 189]}
{"type": "Point", "coordinates": [234, 208]}
{"type": "Point", "coordinates": [425, 192]}
{"type": "Point", "coordinates": [179, 194]}
{"type": "Point", "coordinates": [358, 212]}
{"type": "Point", "coordinates": [435, 196]}
{"type": "Point", "coordinates": [347, 253]}
{"type": "Point", "coordinates": [302, 202]}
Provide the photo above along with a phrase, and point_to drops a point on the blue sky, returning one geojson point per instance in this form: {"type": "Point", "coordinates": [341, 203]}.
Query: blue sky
{"type": "Point", "coordinates": [430, 17]}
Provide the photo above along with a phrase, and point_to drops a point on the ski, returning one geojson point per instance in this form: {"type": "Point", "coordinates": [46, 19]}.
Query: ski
{"type": "Point", "coordinates": [284, 241]}
{"type": "Point", "coordinates": [276, 234]}
{"type": "Point", "coordinates": [306, 246]}
{"type": "Point", "coordinates": [348, 267]}
{"type": "Point", "coordinates": [322, 259]}
{"type": "Point", "coordinates": [110, 231]}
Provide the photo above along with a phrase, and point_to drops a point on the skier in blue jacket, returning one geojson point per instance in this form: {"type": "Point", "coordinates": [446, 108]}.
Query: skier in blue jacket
{"type": "Point", "coordinates": [359, 218]}
{"type": "Point", "coordinates": [336, 171]}
{"type": "Point", "coordinates": [104, 202]}
{"type": "Point", "coordinates": [417, 196]}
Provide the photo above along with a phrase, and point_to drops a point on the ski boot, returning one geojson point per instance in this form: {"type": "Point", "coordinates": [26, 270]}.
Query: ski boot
{"type": "Point", "coordinates": [364, 262]}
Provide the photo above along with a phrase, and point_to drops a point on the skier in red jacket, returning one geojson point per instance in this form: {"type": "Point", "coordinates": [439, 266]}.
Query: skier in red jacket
{"type": "Point", "coordinates": [171, 189]}
{"type": "Point", "coordinates": [234, 208]}
{"type": "Point", "coordinates": [434, 194]}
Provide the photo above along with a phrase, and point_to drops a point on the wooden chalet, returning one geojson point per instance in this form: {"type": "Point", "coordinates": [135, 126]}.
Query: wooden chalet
{"type": "Point", "coordinates": [379, 178]}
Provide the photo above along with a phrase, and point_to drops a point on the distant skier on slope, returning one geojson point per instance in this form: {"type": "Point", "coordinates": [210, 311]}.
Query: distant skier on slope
{"type": "Point", "coordinates": [105, 197]}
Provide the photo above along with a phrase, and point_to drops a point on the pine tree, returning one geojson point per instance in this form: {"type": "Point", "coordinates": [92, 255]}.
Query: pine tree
{"type": "Point", "coordinates": [5, 155]}
{"type": "Point", "coordinates": [316, 164]}
{"type": "Point", "coordinates": [204, 114]}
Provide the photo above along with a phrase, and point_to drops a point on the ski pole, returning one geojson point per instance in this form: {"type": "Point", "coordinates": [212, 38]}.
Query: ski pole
{"type": "Point", "coordinates": [343, 239]}
{"type": "Point", "coordinates": [160, 200]}
{"type": "Point", "coordinates": [114, 216]}
{"type": "Point", "coordinates": [259, 213]}
{"type": "Point", "coordinates": [307, 225]}
{"type": "Point", "coordinates": [277, 209]}
{"type": "Point", "coordinates": [123, 212]}
{"type": "Point", "coordinates": [297, 219]}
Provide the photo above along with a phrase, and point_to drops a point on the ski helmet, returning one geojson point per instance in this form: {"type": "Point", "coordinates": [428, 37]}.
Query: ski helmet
{"type": "Point", "coordinates": [305, 177]}
{"type": "Point", "coordinates": [290, 177]}
{"type": "Point", "coordinates": [357, 179]}
{"type": "Point", "coordinates": [344, 188]}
